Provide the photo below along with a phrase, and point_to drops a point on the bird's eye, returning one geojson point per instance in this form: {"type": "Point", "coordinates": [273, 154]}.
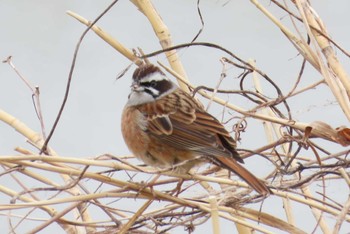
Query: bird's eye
{"type": "Point", "coordinates": [153, 84]}
{"type": "Point", "coordinates": [150, 84]}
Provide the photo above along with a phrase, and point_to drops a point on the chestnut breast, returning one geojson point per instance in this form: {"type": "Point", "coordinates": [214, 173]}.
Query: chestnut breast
{"type": "Point", "coordinates": [148, 148]}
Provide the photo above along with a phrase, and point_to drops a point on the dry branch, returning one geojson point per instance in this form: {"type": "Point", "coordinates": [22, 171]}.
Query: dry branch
{"type": "Point", "coordinates": [297, 152]}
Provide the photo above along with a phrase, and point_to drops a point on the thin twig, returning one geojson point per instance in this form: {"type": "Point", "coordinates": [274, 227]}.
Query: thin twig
{"type": "Point", "coordinates": [70, 77]}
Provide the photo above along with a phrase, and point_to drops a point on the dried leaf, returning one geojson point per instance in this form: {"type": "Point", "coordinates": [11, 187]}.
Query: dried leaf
{"type": "Point", "coordinates": [323, 130]}
{"type": "Point", "coordinates": [343, 135]}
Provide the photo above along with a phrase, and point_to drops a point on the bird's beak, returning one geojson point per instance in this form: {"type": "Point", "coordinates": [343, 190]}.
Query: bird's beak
{"type": "Point", "coordinates": [136, 87]}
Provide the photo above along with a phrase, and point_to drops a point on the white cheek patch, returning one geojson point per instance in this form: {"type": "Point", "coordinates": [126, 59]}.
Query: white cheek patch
{"type": "Point", "coordinates": [138, 98]}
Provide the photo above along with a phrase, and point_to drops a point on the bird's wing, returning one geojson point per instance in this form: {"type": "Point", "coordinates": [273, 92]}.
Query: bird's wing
{"type": "Point", "coordinates": [179, 121]}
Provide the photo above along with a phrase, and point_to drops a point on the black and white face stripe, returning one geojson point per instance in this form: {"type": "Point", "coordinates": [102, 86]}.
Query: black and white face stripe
{"type": "Point", "coordinates": [157, 87]}
{"type": "Point", "coordinates": [149, 84]}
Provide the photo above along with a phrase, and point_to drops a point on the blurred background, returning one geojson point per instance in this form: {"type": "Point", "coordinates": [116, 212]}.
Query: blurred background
{"type": "Point", "coordinates": [41, 38]}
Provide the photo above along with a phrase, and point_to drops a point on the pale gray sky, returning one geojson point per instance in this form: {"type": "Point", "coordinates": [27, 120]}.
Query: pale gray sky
{"type": "Point", "coordinates": [42, 38]}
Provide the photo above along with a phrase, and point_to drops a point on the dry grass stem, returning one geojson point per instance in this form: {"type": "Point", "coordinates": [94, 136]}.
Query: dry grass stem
{"type": "Point", "coordinates": [163, 34]}
{"type": "Point", "coordinates": [107, 38]}
{"type": "Point", "coordinates": [304, 163]}
{"type": "Point", "coordinates": [214, 214]}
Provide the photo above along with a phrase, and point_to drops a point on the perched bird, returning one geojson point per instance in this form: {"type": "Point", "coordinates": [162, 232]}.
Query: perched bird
{"type": "Point", "coordinates": [166, 128]}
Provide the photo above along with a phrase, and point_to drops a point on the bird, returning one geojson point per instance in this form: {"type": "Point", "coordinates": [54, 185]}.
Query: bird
{"type": "Point", "coordinates": [165, 127]}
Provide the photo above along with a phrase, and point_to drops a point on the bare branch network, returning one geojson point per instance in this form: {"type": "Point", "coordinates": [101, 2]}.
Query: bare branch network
{"type": "Point", "coordinates": [302, 160]}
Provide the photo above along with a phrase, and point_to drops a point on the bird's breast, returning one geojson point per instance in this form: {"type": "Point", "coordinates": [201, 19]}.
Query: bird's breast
{"type": "Point", "coordinates": [149, 148]}
{"type": "Point", "coordinates": [133, 126]}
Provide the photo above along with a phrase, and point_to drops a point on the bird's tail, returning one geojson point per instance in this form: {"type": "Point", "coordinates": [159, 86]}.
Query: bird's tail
{"type": "Point", "coordinates": [248, 177]}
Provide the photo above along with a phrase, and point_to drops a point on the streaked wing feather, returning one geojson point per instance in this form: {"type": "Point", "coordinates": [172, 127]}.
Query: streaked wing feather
{"type": "Point", "coordinates": [182, 123]}
{"type": "Point", "coordinates": [189, 138]}
{"type": "Point", "coordinates": [161, 125]}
